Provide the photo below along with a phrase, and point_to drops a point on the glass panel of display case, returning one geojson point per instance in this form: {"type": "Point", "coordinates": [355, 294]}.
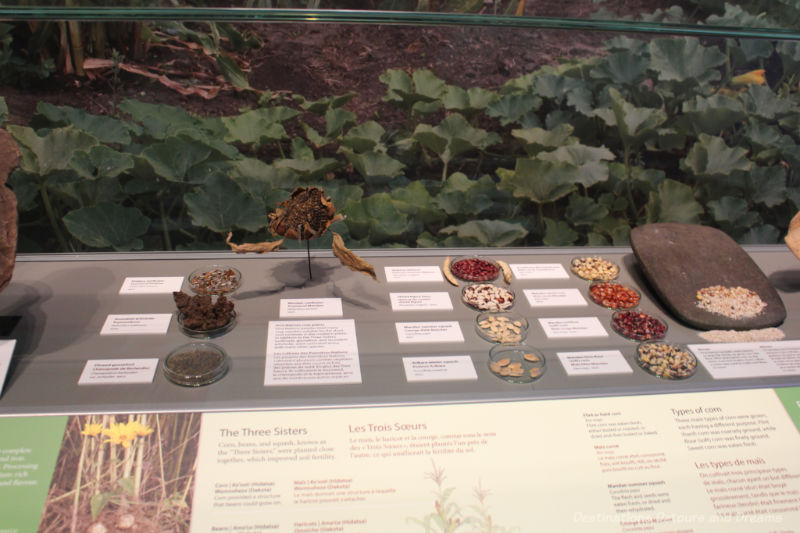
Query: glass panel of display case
{"type": "Point", "coordinates": [173, 128]}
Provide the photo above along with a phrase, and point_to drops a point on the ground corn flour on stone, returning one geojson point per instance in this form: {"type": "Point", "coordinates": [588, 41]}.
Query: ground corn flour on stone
{"type": "Point", "coordinates": [731, 302]}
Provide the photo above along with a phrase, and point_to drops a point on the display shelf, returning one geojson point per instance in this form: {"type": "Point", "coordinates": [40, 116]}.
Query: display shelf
{"type": "Point", "coordinates": [60, 303]}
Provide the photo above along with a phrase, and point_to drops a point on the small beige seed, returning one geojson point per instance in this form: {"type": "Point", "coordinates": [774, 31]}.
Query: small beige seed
{"type": "Point", "coordinates": [504, 361]}
{"type": "Point", "coordinates": [532, 357]}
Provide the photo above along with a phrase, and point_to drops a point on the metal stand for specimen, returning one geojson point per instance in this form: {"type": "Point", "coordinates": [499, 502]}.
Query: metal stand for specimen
{"type": "Point", "coordinates": [308, 251]}
{"type": "Point", "coordinates": [308, 258]}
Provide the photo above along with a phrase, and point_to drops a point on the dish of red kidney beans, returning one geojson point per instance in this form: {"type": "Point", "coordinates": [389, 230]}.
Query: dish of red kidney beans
{"type": "Point", "coordinates": [474, 269]}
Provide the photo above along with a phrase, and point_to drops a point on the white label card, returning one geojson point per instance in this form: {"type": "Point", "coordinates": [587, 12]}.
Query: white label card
{"type": "Point", "coordinates": [566, 327]}
{"type": "Point", "coordinates": [594, 362]}
{"type": "Point", "coordinates": [539, 271]}
{"type": "Point", "coordinates": [435, 368]}
{"type": "Point", "coordinates": [6, 351]}
{"type": "Point", "coordinates": [749, 359]}
{"type": "Point", "coordinates": [420, 301]}
{"type": "Point", "coordinates": [155, 324]}
{"type": "Point", "coordinates": [415, 332]}
{"type": "Point", "coordinates": [151, 285]}
{"type": "Point", "coordinates": [309, 307]}
{"type": "Point", "coordinates": [555, 297]}
{"type": "Point", "coordinates": [118, 371]}
{"type": "Point", "coordinates": [311, 352]}
{"type": "Point", "coordinates": [406, 274]}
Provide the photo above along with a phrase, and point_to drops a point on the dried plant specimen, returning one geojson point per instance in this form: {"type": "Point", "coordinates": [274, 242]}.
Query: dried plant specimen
{"type": "Point", "coordinates": [305, 215]}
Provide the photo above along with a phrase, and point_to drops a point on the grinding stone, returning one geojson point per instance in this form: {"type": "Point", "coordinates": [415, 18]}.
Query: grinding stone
{"type": "Point", "coordinates": [680, 259]}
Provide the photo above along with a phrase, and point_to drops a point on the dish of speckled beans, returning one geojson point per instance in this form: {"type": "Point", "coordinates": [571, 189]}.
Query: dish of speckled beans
{"type": "Point", "coordinates": [594, 268]}
{"type": "Point", "coordinates": [487, 297]}
{"type": "Point", "coordinates": [665, 360]}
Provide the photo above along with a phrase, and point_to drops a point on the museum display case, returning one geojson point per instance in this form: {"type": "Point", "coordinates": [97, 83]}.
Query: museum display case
{"type": "Point", "coordinates": [359, 266]}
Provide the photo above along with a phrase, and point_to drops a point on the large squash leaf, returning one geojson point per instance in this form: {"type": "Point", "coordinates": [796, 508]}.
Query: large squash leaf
{"type": "Point", "coordinates": [624, 68]}
{"type": "Point", "coordinates": [100, 161]}
{"type": "Point", "coordinates": [583, 210]}
{"type": "Point", "coordinates": [635, 124]}
{"type": "Point", "coordinates": [463, 195]}
{"type": "Point", "coordinates": [540, 181]}
{"type": "Point", "coordinates": [418, 204]}
{"type": "Point", "coordinates": [558, 233]}
{"type": "Point", "coordinates": [713, 114]}
{"type": "Point", "coordinates": [222, 206]}
{"type": "Point", "coordinates": [364, 137]}
{"type": "Point", "coordinates": [159, 120]}
{"type": "Point", "coordinates": [763, 102]}
{"type": "Point", "coordinates": [52, 152]}
{"type": "Point", "coordinates": [467, 101]}
{"type": "Point", "coordinates": [376, 217]}
{"type": "Point", "coordinates": [685, 60]}
{"type": "Point", "coordinates": [453, 136]}
{"type": "Point", "coordinates": [536, 140]}
{"type": "Point", "coordinates": [673, 201]}
{"type": "Point", "coordinates": [588, 160]}
{"type": "Point", "coordinates": [488, 232]}
{"type": "Point", "coordinates": [173, 158]}
{"type": "Point", "coordinates": [258, 126]}
{"type": "Point", "coordinates": [711, 157]}
{"type": "Point", "coordinates": [375, 167]}
{"type": "Point", "coordinates": [106, 129]}
{"type": "Point", "coordinates": [512, 108]}
{"type": "Point", "coordinates": [108, 226]}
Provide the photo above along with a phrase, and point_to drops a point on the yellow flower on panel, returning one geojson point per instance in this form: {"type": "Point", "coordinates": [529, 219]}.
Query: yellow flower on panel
{"type": "Point", "coordinates": [118, 433]}
{"type": "Point", "coordinates": [92, 430]}
{"type": "Point", "coordinates": [139, 430]}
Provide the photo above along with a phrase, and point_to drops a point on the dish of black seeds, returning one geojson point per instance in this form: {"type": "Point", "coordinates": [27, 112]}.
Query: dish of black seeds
{"type": "Point", "coordinates": [196, 364]}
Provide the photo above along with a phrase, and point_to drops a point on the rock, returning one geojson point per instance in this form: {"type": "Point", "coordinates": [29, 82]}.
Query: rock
{"type": "Point", "coordinates": [9, 159]}
{"type": "Point", "coordinates": [680, 259]}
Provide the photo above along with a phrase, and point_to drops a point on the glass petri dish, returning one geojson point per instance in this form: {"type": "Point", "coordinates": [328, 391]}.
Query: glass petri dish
{"type": "Point", "coordinates": [206, 333]}
{"type": "Point", "coordinates": [196, 364]}
{"type": "Point", "coordinates": [613, 295]}
{"type": "Point", "coordinates": [516, 363]}
{"type": "Point", "coordinates": [502, 328]}
{"type": "Point", "coordinates": [638, 325]}
{"type": "Point", "coordinates": [593, 268]}
{"type": "Point", "coordinates": [488, 297]}
{"type": "Point", "coordinates": [666, 360]}
{"type": "Point", "coordinates": [215, 279]}
{"type": "Point", "coordinates": [474, 268]}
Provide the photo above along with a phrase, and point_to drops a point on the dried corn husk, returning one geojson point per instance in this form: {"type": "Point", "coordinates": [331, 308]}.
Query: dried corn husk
{"type": "Point", "coordinates": [349, 259]}
{"type": "Point", "coordinates": [255, 247]}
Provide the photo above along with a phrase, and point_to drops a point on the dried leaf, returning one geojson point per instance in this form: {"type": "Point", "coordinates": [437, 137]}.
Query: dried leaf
{"type": "Point", "coordinates": [448, 274]}
{"type": "Point", "coordinates": [349, 259]}
{"type": "Point", "coordinates": [255, 247]}
{"type": "Point", "coordinates": [793, 237]}
{"type": "Point", "coordinates": [507, 275]}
